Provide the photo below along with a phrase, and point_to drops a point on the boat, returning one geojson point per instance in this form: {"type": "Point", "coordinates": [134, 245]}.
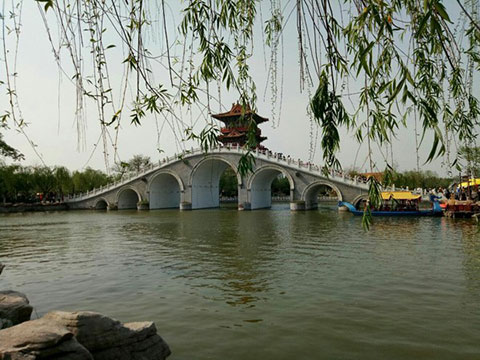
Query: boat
{"type": "Point", "coordinates": [472, 182]}
{"type": "Point", "coordinates": [398, 203]}
{"type": "Point", "coordinates": [462, 209]}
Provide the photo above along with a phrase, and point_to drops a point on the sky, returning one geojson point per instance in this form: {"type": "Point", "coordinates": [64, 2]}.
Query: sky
{"type": "Point", "coordinates": [47, 100]}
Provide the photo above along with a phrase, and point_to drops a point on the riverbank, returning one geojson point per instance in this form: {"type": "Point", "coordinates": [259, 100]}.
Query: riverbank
{"type": "Point", "coordinates": [19, 208]}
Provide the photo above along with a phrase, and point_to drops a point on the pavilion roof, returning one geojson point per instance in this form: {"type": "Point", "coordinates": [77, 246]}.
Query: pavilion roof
{"type": "Point", "coordinates": [236, 112]}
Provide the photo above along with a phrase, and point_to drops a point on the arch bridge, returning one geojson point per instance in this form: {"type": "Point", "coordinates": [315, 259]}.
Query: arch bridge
{"type": "Point", "coordinates": [191, 180]}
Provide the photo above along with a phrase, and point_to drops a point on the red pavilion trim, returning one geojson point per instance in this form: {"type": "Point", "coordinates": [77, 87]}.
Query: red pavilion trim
{"type": "Point", "coordinates": [236, 125]}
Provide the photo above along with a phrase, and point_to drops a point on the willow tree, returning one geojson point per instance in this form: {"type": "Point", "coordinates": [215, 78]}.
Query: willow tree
{"type": "Point", "coordinates": [371, 66]}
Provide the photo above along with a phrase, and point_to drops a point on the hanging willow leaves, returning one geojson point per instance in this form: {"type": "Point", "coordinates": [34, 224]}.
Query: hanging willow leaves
{"type": "Point", "coordinates": [329, 112]}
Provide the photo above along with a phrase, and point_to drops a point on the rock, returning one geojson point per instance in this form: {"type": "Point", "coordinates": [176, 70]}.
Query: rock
{"type": "Point", "coordinates": [5, 323]}
{"type": "Point", "coordinates": [1, 267]}
{"type": "Point", "coordinates": [40, 339]}
{"type": "Point", "coordinates": [14, 306]}
{"type": "Point", "coordinates": [107, 338]}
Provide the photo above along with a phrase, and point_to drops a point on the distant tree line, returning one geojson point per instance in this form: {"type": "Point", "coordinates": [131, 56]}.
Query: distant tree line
{"type": "Point", "coordinates": [415, 179]}
{"type": "Point", "coordinates": [421, 179]}
{"type": "Point", "coordinates": [42, 183]}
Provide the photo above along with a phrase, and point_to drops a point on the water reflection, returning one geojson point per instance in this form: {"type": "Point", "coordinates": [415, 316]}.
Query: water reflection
{"type": "Point", "coordinates": [223, 283]}
{"type": "Point", "coordinates": [470, 242]}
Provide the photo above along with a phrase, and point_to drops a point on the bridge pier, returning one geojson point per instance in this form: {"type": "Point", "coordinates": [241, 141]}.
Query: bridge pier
{"type": "Point", "coordinates": [185, 206]}
{"type": "Point", "coordinates": [245, 205]}
{"type": "Point", "coordinates": [143, 206]}
{"type": "Point", "coordinates": [311, 205]}
{"type": "Point", "coordinates": [297, 205]}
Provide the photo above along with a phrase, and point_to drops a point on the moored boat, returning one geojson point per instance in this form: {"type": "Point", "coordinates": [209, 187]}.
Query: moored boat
{"type": "Point", "coordinates": [397, 203]}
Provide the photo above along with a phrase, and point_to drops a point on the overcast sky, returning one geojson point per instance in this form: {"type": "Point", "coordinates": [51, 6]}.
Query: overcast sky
{"type": "Point", "coordinates": [47, 100]}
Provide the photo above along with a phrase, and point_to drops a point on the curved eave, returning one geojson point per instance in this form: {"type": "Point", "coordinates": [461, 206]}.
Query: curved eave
{"type": "Point", "coordinates": [229, 117]}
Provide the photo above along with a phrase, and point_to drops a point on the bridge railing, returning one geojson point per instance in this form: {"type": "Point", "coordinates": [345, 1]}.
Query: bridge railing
{"type": "Point", "coordinates": [259, 153]}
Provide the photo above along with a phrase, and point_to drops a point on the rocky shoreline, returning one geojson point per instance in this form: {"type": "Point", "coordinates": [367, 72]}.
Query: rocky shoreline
{"type": "Point", "coordinates": [75, 335]}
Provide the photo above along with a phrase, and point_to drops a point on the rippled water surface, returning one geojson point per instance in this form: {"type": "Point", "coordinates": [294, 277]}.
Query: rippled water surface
{"type": "Point", "coordinates": [223, 284]}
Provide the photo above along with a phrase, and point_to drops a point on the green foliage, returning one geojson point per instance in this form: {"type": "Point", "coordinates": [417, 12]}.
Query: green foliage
{"type": "Point", "coordinates": [374, 201]}
{"type": "Point", "coordinates": [329, 112]}
{"type": "Point", "coordinates": [420, 179]}
{"type": "Point", "coordinates": [280, 186]}
{"type": "Point", "coordinates": [470, 157]}
{"type": "Point", "coordinates": [120, 169]}
{"type": "Point", "coordinates": [229, 183]}
{"type": "Point", "coordinates": [19, 183]}
{"type": "Point", "coordinates": [22, 183]}
{"type": "Point", "coordinates": [8, 151]}
{"type": "Point", "coordinates": [43, 179]}
{"type": "Point", "coordinates": [8, 181]}
{"type": "Point", "coordinates": [48, 3]}
{"type": "Point", "coordinates": [138, 162]}
{"type": "Point", "coordinates": [246, 163]}
{"type": "Point", "coordinates": [88, 180]}
{"type": "Point", "coordinates": [208, 137]}
{"type": "Point", "coordinates": [63, 180]}
{"type": "Point", "coordinates": [135, 164]}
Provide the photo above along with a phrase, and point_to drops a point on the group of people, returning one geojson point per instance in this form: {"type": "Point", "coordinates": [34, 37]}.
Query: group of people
{"type": "Point", "coordinates": [455, 192]}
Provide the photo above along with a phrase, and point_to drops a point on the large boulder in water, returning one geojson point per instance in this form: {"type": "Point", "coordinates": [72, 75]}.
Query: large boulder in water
{"type": "Point", "coordinates": [14, 308]}
{"type": "Point", "coordinates": [40, 339]}
{"type": "Point", "coordinates": [107, 338]}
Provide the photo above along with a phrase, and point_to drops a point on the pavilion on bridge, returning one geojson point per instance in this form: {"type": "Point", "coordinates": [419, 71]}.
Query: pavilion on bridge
{"type": "Point", "coordinates": [236, 126]}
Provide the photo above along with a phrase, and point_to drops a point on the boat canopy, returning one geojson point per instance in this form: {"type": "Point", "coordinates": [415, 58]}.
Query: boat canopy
{"type": "Point", "coordinates": [471, 182]}
{"type": "Point", "coordinates": [399, 195]}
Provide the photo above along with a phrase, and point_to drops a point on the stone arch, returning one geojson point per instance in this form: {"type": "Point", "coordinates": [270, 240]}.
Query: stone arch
{"type": "Point", "coordinates": [101, 204]}
{"type": "Point", "coordinates": [205, 180]}
{"type": "Point", "coordinates": [358, 199]}
{"type": "Point", "coordinates": [310, 194]}
{"type": "Point", "coordinates": [165, 189]}
{"type": "Point", "coordinates": [260, 183]}
{"type": "Point", "coordinates": [127, 198]}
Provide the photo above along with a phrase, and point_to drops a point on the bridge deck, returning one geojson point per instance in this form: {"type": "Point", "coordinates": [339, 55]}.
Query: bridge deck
{"type": "Point", "coordinates": [302, 176]}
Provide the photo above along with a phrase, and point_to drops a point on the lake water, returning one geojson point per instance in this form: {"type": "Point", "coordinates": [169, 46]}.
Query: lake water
{"type": "Point", "coordinates": [266, 284]}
